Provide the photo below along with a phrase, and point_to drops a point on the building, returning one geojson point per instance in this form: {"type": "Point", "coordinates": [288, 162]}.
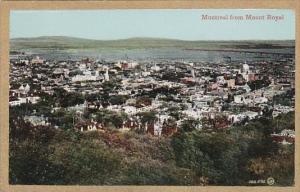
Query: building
{"type": "Point", "coordinates": [37, 60]}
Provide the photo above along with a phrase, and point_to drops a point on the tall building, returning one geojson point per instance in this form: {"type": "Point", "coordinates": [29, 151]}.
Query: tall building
{"type": "Point", "coordinates": [106, 75]}
{"type": "Point", "coordinates": [193, 73]}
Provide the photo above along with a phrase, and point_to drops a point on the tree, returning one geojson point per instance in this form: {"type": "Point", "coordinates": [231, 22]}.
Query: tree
{"type": "Point", "coordinates": [29, 164]}
{"type": "Point", "coordinates": [147, 116]}
{"type": "Point", "coordinates": [118, 99]}
{"type": "Point", "coordinates": [86, 162]}
{"type": "Point", "coordinates": [118, 119]}
{"type": "Point", "coordinates": [189, 125]}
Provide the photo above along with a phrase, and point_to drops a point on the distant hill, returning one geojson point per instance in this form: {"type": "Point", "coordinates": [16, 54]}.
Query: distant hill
{"type": "Point", "coordinates": [65, 43]}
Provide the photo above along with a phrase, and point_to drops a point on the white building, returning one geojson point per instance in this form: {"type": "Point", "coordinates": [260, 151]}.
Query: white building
{"type": "Point", "coordinates": [86, 77]}
{"type": "Point", "coordinates": [155, 68]}
{"type": "Point", "coordinates": [22, 100]}
{"type": "Point", "coordinates": [37, 120]}
{"type": "Point", "coordinates": [106, 75]}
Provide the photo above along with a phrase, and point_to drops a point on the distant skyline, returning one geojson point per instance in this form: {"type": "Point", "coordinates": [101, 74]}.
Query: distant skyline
{"type": "Point", "coordinates": [183, 24]}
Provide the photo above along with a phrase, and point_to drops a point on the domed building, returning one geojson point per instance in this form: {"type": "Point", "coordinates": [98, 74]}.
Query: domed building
{"type": "Point", "coordinates": [246, 71]}
{"type": "Point", "coordinates": [246, 68]}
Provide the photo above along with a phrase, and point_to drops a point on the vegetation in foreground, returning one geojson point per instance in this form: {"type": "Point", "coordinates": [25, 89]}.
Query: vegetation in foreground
{"type": "Point", "coordinates": [44, 155]}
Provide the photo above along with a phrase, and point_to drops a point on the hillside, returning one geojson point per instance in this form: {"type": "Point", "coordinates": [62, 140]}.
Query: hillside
{"type": "Point", "coordinates": [65, 43]}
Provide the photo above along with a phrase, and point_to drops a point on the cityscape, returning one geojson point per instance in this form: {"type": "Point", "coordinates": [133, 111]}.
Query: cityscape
{"type": "Point", "coordinates": [216, 95]}
{"type": "Point", "coordinates": [151, 111]}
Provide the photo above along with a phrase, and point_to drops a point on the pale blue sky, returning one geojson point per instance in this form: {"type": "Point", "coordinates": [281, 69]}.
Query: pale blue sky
{"type": "Point", "coordinates": [185, 24]}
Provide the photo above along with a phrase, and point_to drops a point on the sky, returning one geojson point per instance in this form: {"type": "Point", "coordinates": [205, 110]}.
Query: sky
{"type": "Point", "coordinates": [184, 24]}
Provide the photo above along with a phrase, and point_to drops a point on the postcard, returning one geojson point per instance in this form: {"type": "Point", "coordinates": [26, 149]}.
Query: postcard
{"type": "Point", "coordinates": [149, 97]}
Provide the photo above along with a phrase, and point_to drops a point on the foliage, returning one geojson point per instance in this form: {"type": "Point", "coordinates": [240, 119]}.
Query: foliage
{"type": "Point", "coordinates": [258, 84]}
{"type": "Point", "coordinates": [45, 155]}
{"type": "Point", "coordinates": [189, 125]}
{"type": "Point", "coordinates": [147, 116]}
{"type": "Point", "coordinates": [285, 98]}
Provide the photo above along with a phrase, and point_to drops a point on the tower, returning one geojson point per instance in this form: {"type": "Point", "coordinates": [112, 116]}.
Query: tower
{"type": "Point", "coordinates": [246, 68]}
{"type": "Point", "coordinates": [106, 75]}
{"type": "Point", "coordinates": [27, 88]}
{"type": "Point", "coordinates": [193, 73]}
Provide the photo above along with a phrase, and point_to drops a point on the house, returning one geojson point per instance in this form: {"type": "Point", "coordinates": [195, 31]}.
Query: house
{"type": "Point", "coordinates": [89, 126]}
{"type": "Point", "coordinates": [22, 100]}
{"type": "Point", "coordinates": [237, 118]}
{"type": "Point", "coordinates": [154, 128]}
{"type": "Point", "coordinates": [286, 136]}
{"type": "Point", "coordinates": [37, 120]}
{"type": "Point", "coordinates": [221, 80]}
{"type": "Point", "coordinates": [86, 77]}
{"type": "Point", "coordinates": [278, 109]}
{"type": "Point", "coordinates": [37, 60]}
{"type": "Point", "coordinates": [130, 124]}
{"type": "Point", "coordinates": [231, 83]}
{"type": "Point", "coordinates": [24, 89]}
